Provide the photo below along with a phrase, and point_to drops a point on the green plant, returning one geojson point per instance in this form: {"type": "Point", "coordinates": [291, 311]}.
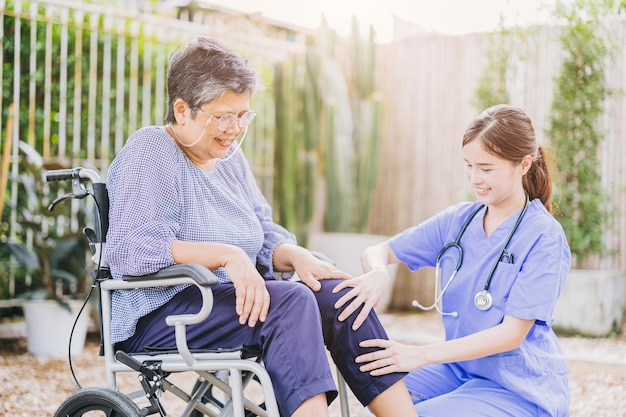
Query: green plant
{"type": "Point", "coordinates": [296, 141]}
{"type": "Point", "coordinates": [51, 92]}
{"type": "Point", "coordinates": [354, 122]}
{"type": "Point", "coordinates": [575, 127]}
{"type": "Point", "coordinates": [53, 261]}
{"type": "Point", "coordinates": [41, 42]}
{"type": "Point", "coordinates": [328, 131]}
{"type": "Point", "coordinates": [506, 47]}
{"type": "Point", "coordinates": [367, 130]}
{"type": "Point", "coordinates": [491, 88]}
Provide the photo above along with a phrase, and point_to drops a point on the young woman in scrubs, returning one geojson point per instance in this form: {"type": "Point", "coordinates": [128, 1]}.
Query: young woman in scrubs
{"type": "Point", "coordinates": [500, 356]}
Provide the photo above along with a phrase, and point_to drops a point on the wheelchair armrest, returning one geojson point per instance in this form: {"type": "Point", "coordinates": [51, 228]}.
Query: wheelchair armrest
{"type": "Point", "coordinates": [178, 274]}
{"type": "Point", "coordinates": [323, 257]}
{"type": "Point", "coordinates": [200, 274]}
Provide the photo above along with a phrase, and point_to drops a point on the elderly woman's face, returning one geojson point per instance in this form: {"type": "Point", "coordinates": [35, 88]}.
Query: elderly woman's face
{"type": "Point", "coordinates": [215, 127]}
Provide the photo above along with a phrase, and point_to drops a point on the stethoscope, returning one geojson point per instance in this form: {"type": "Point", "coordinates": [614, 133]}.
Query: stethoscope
{"type": "Point", "coordinates": [483, 299]}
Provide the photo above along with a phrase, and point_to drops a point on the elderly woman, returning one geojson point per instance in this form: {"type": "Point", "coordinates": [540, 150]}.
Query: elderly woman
{"type": "Point", "coordinates": [184, 193]}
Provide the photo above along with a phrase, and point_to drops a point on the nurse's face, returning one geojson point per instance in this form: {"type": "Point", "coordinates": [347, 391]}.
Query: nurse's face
{"type": "Point", "coordinates": [496, 181]}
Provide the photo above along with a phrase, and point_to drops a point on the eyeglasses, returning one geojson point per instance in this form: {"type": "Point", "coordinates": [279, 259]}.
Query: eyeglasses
{"type": "Point", "coordinates": [226, 121]}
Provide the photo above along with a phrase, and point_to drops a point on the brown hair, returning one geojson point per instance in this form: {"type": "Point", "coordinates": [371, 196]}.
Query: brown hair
{"type": "Point", "coordinates": [204, 71]}
{"type": "Point", "coordinates": [508, 133]}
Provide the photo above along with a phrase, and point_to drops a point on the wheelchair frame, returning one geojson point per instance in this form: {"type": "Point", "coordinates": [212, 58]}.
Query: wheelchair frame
{"type": "Point", "coordinates": [227, 371]}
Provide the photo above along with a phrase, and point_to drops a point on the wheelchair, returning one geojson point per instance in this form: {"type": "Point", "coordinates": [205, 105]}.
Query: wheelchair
{"type": "Point", "coordinates": [221, 376]}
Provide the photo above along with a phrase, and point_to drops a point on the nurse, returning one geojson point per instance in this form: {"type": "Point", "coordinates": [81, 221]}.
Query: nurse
{"type": "Point", "coordinates": [500, 356]}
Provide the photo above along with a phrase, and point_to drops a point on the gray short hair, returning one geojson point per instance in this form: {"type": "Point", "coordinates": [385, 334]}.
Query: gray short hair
{"type": "Point", "coordinates": [204, 71]}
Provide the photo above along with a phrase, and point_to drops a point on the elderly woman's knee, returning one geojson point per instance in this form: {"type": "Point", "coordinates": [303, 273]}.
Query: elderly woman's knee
{"type": "Point", "coordinates": [326, 298]}
{"type": "Point", "coordinates": [293, 295]}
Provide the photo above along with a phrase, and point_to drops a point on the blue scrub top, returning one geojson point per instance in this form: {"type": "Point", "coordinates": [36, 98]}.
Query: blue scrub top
{"type": "Point", "coordinates": [527, 288]}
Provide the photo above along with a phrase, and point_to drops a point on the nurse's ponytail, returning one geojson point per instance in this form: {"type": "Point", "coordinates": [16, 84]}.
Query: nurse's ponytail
{"type": "Point", "coordinates": [537, 181]}
{"type": "Point", "coordinates": [508, 133]}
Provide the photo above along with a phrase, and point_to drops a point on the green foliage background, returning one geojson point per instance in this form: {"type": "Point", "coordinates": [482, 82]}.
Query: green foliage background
{"type": "Point", "coordinates": [31, 118]}
{"type": "Point", "coordinates": [576, 127]}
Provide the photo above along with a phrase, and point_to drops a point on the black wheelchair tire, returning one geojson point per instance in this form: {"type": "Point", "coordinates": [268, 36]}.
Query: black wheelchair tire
{"type": "Point", "coordinates": [112, 403]}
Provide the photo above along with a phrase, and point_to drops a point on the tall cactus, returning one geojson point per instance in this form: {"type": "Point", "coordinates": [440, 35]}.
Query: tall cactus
{"type": "Point", "coordinates": [355, 145]}
{"type": "Point", "coordinates": [297, 139]}
{"type": "Point", "coordinates": [339, 151]}
{"type": "Point", "coordinates": [286, 151]}
{"type": "Point", "coordinates": [327, 134]}
{"type": "Point", "coordinates": [367, 108]}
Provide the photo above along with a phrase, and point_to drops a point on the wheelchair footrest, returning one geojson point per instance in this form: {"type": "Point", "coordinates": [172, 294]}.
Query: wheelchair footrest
{"type": "Point", "coordinates": [134, 364]}
{"type": "Point", "coordinates": [151, 380]}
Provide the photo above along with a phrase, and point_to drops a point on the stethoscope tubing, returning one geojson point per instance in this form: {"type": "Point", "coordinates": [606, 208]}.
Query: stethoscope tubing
{"type": "Point", "coordinates": [456, 244]}
{"type": "Point", "coordinates": [482, 299]}
{"type": "Point", "coordinates": [506, 245]}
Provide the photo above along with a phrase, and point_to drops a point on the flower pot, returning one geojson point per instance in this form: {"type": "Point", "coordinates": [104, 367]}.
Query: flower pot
{"type": "Point", "coordinates": [48, 327]}
{"type": "Point", "coordinates": [345, 249]}
{"type": "Point", "coordinates": [591, 303]}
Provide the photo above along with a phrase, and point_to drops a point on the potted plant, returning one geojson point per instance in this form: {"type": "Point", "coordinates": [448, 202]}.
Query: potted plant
{"type": "Point", "coordinates": [592, 301]}
{"type": "Point", "coordinates": [53, 264]}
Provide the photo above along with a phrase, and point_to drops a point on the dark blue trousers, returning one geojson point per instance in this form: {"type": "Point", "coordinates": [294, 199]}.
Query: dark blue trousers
{"type": "Point", "coordinates": [300, 322]}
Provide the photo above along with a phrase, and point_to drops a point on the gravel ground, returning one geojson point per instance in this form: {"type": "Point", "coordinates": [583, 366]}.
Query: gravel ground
{"type": "Point", "coordinates": [35, 387]}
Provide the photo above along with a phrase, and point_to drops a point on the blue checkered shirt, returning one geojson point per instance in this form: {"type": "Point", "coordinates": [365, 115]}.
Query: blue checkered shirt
{"type": "Point", "coordinates": [157, 195]}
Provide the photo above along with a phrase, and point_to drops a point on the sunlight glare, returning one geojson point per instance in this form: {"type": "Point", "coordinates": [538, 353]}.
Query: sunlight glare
{"type": "Point", "coordinates": [444, 16]}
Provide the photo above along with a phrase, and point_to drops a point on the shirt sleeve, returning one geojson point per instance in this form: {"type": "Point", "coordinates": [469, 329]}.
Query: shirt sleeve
{"type": "Point", "coordinates": [274, 234]}
{"type": "Point", "coordinates": [418, 246]}
{"type": "Point", "coordinates": [144, 205]}
{"type": "Point", "coordinates": [541, 278]}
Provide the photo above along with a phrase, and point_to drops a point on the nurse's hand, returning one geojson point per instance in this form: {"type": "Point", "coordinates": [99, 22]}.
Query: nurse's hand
{"type": "Point", "coordinates": [393, 357]}
{"type": "Point", "coordinates": [366, 291]}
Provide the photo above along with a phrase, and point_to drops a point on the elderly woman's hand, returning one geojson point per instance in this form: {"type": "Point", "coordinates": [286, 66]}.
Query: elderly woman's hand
{"type": "Point", "coordinates": [252, 298]}
{"type": "Point", "coordinates": [311, 270]}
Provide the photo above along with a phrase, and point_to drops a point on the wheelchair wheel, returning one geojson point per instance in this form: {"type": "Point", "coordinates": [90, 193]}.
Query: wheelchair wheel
{"type": "Point", "coordinates": [96, 402]}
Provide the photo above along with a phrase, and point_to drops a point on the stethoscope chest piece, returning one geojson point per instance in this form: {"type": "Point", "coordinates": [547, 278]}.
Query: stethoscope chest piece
{"type": "Point", "coordinates": [483, 300]}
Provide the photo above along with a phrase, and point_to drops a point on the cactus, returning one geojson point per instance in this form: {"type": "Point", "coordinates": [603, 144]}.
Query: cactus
{"type": "Point", "coordinates": [297, 123]}
{"type": "Point", "coordinates": [351, 183]}
{"type": "Point", "coordinates": [327, 135]}
{"type": "Point", "coordinates": [367, 108]}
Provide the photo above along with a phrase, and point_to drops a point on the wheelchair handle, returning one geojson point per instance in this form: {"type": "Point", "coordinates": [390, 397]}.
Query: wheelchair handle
{"type": "Point", "coordinates": [61, 174]}
{"type": "Point", "coordinates": [78, 173]}
{"type": "Point", "coordinates": [79, 177]}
